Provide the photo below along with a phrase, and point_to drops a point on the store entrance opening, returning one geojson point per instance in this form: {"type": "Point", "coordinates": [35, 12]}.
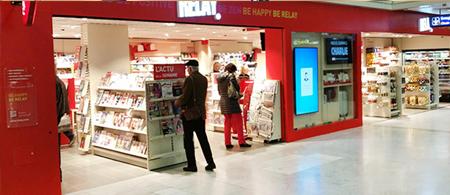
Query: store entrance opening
{"type": "Point", "coordinates": [122, 79]}
{"type": "Point", "coordinates": [404, 74]}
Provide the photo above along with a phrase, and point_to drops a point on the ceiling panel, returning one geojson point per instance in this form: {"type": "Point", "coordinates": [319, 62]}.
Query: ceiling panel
{"type": "Point", "coordinates": [71, 28]}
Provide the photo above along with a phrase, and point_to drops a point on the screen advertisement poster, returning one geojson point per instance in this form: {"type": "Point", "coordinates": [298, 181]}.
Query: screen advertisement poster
{"type": "Point", "coordinates": [338, 51]}
{"type": "Point", "coordinates": [306, 80]}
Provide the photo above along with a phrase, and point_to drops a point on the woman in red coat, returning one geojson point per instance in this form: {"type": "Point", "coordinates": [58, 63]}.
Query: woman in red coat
{"type": "Point", "coordinates": [229, 106]}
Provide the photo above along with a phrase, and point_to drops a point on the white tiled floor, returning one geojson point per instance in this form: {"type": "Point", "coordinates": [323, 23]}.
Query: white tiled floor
{"type": "Point", "coordinates": [407, 155]}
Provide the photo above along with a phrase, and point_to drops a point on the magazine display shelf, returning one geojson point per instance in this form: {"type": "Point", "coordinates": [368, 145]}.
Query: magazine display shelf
{"type": "Point", "coordinates": [125, 127]}
{"type": "Point", "coordinates": [82, 117]}
{"type": "Point", "coordinates": [119, 123]}
{"type": "Point", "coordinates": [264, 122]}
{"type": "Point", "coordinates": [165, 128]}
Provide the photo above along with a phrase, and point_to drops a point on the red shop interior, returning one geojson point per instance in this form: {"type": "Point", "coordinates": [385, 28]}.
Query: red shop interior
{"type": "Point", "coordinates": [287, 25]}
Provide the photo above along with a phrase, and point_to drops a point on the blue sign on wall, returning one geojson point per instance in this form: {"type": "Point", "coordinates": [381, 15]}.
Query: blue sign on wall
{"type": "Point", "coordinates": [306, 80]}
{"type": "Point", "coordinates": [440, 21]}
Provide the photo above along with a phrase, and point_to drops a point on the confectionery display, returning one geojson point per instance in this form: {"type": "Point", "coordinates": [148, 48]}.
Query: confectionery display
{"type": "Point", "coordinates": [382, 82]}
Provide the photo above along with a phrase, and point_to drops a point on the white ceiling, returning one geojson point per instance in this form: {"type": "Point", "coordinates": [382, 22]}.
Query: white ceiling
{"type": "Point", "coordinates": [389, 35]}
{"type": "Point", "coordinates": [71, 28]}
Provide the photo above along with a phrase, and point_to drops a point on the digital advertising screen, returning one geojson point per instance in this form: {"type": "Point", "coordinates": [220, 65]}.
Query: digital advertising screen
{"type": "Point", "coordinates": [338, 51]}
{"type": "Point", "coordinates": [306, 80]}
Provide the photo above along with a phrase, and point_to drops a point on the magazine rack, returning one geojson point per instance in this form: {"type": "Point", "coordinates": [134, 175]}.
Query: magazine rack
{"type": "Point", "coordinates": [165, 128]}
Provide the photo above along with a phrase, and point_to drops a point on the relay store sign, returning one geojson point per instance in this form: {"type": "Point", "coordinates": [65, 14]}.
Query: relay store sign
{"type": "Point", "coordinates": [187, 9]}
{"type": "Point", "coordinates": [169, 71]}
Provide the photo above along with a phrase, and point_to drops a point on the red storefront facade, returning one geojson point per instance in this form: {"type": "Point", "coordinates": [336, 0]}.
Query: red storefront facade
{"type": "Point", "coordinates": [28, 158]}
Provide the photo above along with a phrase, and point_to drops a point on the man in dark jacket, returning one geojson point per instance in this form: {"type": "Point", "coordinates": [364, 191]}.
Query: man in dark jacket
{"type": "Point", "coordinates": [62, 105]}
{"type": "Point", "coordinates": [192, 103]}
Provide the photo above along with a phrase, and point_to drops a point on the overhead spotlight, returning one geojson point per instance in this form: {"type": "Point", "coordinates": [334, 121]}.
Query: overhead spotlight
{"type": "Point", "coordinates": [245, 38]}
{"type": "Point", "coordinates": [84, 19]}
{"type": "Point", "coordinates": [166, 34]}
{"type": "Point", "coordinates": [78, 35]}
{"type": "Point", "coordinates": [169, 24]}
{"type": "Point", "coordinates": [203, 38]}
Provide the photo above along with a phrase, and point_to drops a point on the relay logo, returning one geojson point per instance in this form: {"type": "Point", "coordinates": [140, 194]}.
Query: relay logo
{"type": "Point", "coordinates": [187, 9]}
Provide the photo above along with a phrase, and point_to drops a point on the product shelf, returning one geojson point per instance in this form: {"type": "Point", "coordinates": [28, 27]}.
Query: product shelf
{"type": "Point", "coordinates": [152, 138]}
{"type": "Point", "coordinates": [122, 89]}
{"type": "Point", "coordinates": [121, 107]}
{"type": "Point", "coordinates": [164, 99]}
{"type": "Point", "coordinates": [162, 117]}
{"type": "Point", "coordinates": [120, 150]}
{"type": "Point", "coordinates": [118, 128]}
{"type": "Point", "coordinates": [166, 155]}
{"type": "Point", "coordinates": [338, 85]}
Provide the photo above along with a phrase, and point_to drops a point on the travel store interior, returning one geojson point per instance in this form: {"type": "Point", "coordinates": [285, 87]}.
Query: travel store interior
{"type": "Point", "coordinates": [123, 110]}
{"type": "Point", "coordinates": [403, 74]}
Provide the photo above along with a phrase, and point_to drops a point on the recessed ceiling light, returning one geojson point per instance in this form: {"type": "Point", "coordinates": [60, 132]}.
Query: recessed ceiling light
{"type": "Point", "coordinates": [198, 28]}
{"type": "Point", "coordinates": [78, 35]}
{"type": "Point", "coordinates": [245, 38]}
{"type": "Point", "coordinates": [169, 24]}
{"type": "Point", "coordinates": [84, 19]}
{"type": "Point", "coordinates": [367, 34]}
{"type": "Point", "coordinates": [410, 36]}
{"type": "Point", "coordinates": [56, 35]}
{"type": "Point", "coordinates": [74, 27]}
{"type": "Point", "coordinates": [213, 32]}
{"type": "Point", "coordinates": [166, 34]}
{"type": "Point", "coordinates": [203, 38]}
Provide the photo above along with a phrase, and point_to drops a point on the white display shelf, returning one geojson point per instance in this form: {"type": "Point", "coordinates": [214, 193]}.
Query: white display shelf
{"type": "Point", "coordinates": [165, 155]}
{"type": "Point", "coordinates": [153, 63]}
{"type": "Point", "coordinates": [158, 81]}
{"type": "Point", "coordinates": [116, 107]}
{"type": "Point", "coordinates": [120, 150]}
{"type": "Point", "coordinates": [395, 112]}
{"type": "Point", "coordinates": [426, 59]}
{"type": "Point", "coordinates": [218, 125]}
{"type": "Point", "coordinates": [164, 136]}
{"type": "Point", "coordinates": [121, 107]}
{"type": "Point", "coordinates": [164, 99]}
{"type": "Point", "coordinates": [119, 128]}
{"type": "Point", "coordinates": [338, 85]}
{"type": "Point", "coordinates": [338, 68]}
{"type": "Point", "coordinates": [122, 89]}
{"type": "Point", "coordinates": [64, 66]}
{"type": "Point", "coordinates": [162, 117]}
